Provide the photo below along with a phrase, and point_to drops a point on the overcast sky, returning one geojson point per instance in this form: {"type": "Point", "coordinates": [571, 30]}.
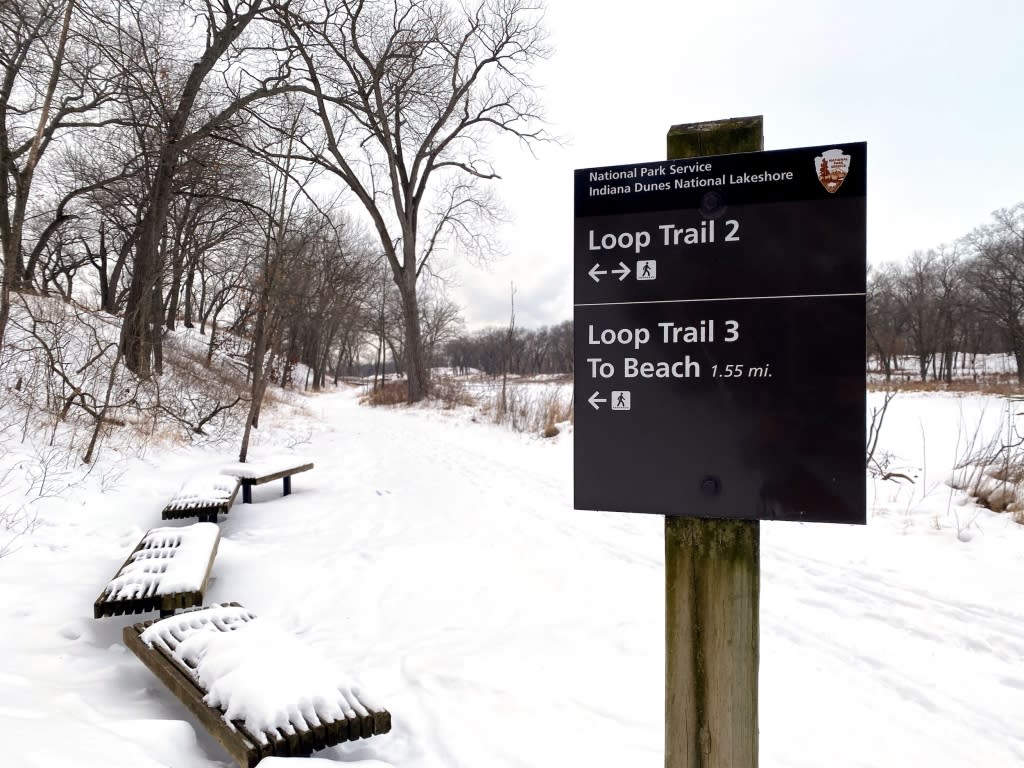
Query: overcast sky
{"type": "Point", "coordinates": [936, 89]}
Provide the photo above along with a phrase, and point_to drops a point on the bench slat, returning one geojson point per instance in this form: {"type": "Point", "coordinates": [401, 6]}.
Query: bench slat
{"type": "Point", "coordinates": [258, 473]}
{"type": "Point", "coordinates": [245, 747]}
{"type": "Point", "coordinates": [149, 597]}
{"type": "Point", "coordinates": [277, 475]}
{"type": "Point", "coordinates": [208, 509]}
{"type": "Point", "coordinates": [235, 742]}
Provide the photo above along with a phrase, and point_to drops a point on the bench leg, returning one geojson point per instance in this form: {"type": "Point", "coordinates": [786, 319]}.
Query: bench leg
{"type": "Point", "coordinates": [287, 486]}
{"type": "Point", "coordinates": [164, 614]}
{"type": "Point", "coordinates": [247, 493]}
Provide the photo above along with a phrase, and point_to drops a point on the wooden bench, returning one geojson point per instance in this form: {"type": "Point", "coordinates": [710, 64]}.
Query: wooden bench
{"type": "Point", "coordinates": [174, 649]}
{"type": "Point", "coordinates": [169, 569]}
{"type": "Point", "coordinates": [203, 496]}
{"type": "Point", "coordinates": [263, 471]}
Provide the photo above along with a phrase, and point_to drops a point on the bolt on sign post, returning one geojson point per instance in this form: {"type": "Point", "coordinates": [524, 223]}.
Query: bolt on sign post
{"type": "Point", "coordinates": [719, 326]}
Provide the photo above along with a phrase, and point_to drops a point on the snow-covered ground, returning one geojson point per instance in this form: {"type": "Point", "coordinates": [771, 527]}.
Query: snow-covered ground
{"type": "Point", "coordinates": [437, 561]}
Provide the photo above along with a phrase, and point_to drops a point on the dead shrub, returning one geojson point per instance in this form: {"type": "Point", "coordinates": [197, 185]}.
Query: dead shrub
{"type": "Point", "coordinates": [445, 392]}
{"type": "Point", "coordinates": [388, 393]}
{"type": "Point", "coordinates": [198, 398]}
{"type": "Point", "coordinates": [530, 408]}
{"type": "Point", "coordinates": [993, 474]}
{"type": "Point", "coordinates": [451, 394]}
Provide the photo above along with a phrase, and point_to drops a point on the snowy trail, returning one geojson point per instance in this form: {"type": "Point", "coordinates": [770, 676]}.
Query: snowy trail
{"type": "Point", "coordinates": [457, 585]}
{"type": "Point", "coordinates": [440, 563]}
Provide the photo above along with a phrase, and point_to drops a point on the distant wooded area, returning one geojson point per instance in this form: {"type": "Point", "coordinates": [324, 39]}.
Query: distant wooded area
{"type": "Point", "coordinates": [947, 305]}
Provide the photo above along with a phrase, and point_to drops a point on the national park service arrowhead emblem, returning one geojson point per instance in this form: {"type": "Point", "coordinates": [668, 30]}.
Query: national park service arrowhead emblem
{"type": "Point", "coordinates": [832, 166]}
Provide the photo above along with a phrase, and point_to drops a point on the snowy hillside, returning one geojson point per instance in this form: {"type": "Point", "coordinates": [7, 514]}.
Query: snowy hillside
{"type": "Point", "coordinates": [438, 561]}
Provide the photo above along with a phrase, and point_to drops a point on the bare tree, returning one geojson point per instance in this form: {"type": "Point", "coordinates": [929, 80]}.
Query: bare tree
{"type": "Point", "coordinates": [278, 289]}
{"type": "Point", "coordinates": [440, 321]}
{"type": "Point", "coordinates": [42, 92]}
{"type": "Point", "coordinates": [250, 66]}
{"type": "Point", "coordinates": [950, 302]}
{"type": "Point", "coordinates": [407, 92]}
{"type": "Point", "coordinates": [506, 352]}
{"type": "Point", "coordinates": [996, 274]}
{"type": "Point", "coordinates": [884, 315]}
{"type": "Point", "coordinates": [917, 296]}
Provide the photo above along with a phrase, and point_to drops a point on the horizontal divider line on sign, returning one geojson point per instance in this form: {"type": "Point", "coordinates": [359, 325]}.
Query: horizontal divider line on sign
{"type": "Point", "coordinates": [719, 298]}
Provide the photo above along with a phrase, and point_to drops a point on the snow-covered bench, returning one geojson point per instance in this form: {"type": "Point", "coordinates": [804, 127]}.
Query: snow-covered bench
{"type": "Point", "coordinates": [261, 471]}
{"type": "Point", "coordinates": [203, 496]}
{"type": "Point", "coordinates": [258, 689]}
{"type": "Point", "coordinates": [169, 569]}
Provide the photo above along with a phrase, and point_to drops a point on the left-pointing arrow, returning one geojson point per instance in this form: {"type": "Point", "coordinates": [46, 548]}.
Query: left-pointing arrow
{"type": "Point", "coordinates": [594, 400]}
{"type": "Point", "coordinates": [596, 270]}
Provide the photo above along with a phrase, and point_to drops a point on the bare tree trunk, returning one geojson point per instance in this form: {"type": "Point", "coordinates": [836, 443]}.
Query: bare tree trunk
{"type": "Point", "coordinates": [381, 354]}
{"type": "Point", "coordinates": [177, 268]}
{"type": "Point", "coordinates": [416, 371]}
{"type": "Point", "coordinates": [506, 358]}
{"type": "Point", "coordinates": [136, 333]}
{"type": "Point", "coordinates": [213, 335]}
{"type": "Point", "coordinates": [190, 279]}
{"type": "Point", "coordinates": [113, 299]}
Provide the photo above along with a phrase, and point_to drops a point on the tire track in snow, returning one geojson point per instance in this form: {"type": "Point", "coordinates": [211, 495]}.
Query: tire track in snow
{"type": "Point", "coordinates": [923, 636]}
{"type": "Point", "coordinates": [1004, 627]}
{"type": "Point", "coordinates": [463, 462]}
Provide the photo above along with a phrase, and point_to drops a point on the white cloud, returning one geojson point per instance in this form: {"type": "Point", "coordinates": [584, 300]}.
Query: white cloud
{"type": "Point", "coordinates": [934, 88]}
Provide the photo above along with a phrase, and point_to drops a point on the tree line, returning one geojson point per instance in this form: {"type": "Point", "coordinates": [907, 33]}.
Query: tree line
{"type": "Point", "coordinates": [523, 352]}
{"type": "Point", "coordinates": [945, 306]}
{"type": "Point", "coordinates": [290, 170]}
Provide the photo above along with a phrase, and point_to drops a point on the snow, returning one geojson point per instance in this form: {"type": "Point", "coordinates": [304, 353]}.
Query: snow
{"type": "Point", "coordinates": [440, 566]}
{"type": "Point", "coordinates": [205, 490]}
{"type": "Point", "coordinates": [169, 560]}
{"type": "Point", "coordinates": [255, 671]}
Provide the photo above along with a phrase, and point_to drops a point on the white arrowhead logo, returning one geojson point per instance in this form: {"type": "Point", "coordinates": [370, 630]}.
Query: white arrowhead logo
{"type": "Point", "coordinates": [595, 271]}
{"type": "Point", "coordinates": [594, 400]}
{"type": "Point", "coordinates": [621, 272]}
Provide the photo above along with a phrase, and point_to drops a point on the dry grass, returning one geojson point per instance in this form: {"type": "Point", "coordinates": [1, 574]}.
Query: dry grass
{"type": "Point", "coordinates": [388, 393]}
{"type": "Point", "coordinates": [451, 394]}
{"type": "Point", "coordinates": [992, 384]}
{"type": "Point", "coordinates": [444, 392]}
{"type": "Point", "coordinates": [551, 430]}
{"type": "Point", "coordinates": [526, 410]}
{"type": "Point", "coordinates": [993, 473]}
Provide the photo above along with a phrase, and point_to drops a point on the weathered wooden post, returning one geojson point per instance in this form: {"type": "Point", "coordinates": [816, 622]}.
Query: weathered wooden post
{"type": "Point", "coordinates": [712, 580]}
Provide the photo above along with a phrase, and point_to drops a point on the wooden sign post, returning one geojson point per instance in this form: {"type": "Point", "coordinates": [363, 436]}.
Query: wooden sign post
{"type": "Point", "coordinates": [712, 580]}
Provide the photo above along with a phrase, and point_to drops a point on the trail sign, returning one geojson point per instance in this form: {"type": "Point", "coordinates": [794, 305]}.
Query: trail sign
{"type": "Point", "coordinates": [719, 336]}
